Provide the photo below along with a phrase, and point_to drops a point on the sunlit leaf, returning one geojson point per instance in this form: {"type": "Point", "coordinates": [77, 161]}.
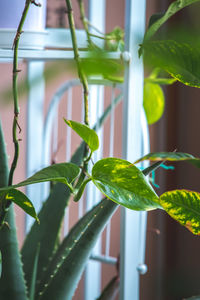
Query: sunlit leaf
{"type": "Point", "coordinates": [180, 60]}
{"type": "Point", "coordinates": [124, 184]}
{"type": "Point", "coordinates": [153, 102]}
{"type": "Point", "coordinates": [86, 133]}
{"type": "Point", "coordinates": [184, 207]}
{"type": "Point", "coordinates": [22, 201]}
{"type": "Point", "coordinates": [161, 81]}
{"type": "Point", "coordinates": [63, 172]}
{"type": "Point", "coordinates": [171, 156]}
{"type": "Point", "coordinates": [157, 21]}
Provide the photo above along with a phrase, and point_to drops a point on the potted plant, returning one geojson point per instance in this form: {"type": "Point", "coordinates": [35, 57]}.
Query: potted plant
{"type": "Point", "coordinates": [51, 270]}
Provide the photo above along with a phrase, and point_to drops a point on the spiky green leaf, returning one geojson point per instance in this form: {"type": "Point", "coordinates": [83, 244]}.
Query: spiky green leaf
{"type": "Point", "coordinates": [180, 60]}
{"type": "Point", "coordinates": [171, 156]}
{"type": "Point", "coordinates": [159, 20]}
{"type": "Point", "coordinates": [12, 284]}
{"type": "Point", "coordinates": [123, 183]}
{"type": "Point", "coordinates": [153, 102]}
{"type": "Point", "coordinates": [22, 201]}
{"type": "Point", "coordinates": [86, 133]}
{"type": "Point", "coordinates": [76, 252]}
{"type": "Point", "coordinates": [184, 207]}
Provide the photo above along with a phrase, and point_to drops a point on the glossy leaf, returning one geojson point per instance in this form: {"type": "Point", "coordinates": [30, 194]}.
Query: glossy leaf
{"type": "Point", "coordinates": [123, 183]}
{"type": "Point", "coordinates": [160, 81]}
{"type": "Point", "coordinates": [184, 207]}
{"type": "Point", "coordinates": [180, 60]}
{"type": "Point", "coordinates": [63, 172]}
{"type": "Point", "coordinates": [22, 201]}
{"type": "Point", "coordinates": [86, 133]}
{"type": "Point", "coordinates": [153, 102]}
{"type": "Point", "coordinates": [170, 156]}
{"type": "Point", "coordinates": [159, 20]}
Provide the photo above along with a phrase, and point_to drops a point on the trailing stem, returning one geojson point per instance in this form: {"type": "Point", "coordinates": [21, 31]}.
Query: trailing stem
{"type": "Point", "coordinates": [84, 82]}
{"type": "Point", "coordinates": [84, 20]}
{"type": "Point", "coordinates": [15, 126]}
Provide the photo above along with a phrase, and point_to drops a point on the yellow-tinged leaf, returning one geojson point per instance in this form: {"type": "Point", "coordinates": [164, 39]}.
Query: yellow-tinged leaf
{"type": "Point", "coordinates": [184, 207]}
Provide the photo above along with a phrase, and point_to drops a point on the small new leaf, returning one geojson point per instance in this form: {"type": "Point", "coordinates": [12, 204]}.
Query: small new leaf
{"type": "Point", "coordinates": [184, 207]}
{"type": "Point", "coordinates": [22, 201]}
{"type": "Point", "coordinates": [86, 133]}
{"type": "Point", "coordinates": [123, 183]}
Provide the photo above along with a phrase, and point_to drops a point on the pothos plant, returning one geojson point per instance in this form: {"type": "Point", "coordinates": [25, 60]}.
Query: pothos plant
{"type": "Point", "coordinates": [47, 268]}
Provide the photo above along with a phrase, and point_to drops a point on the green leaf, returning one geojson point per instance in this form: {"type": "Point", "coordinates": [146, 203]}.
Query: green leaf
{"type": "Point", "coordinates": [111, 290]}
{"type": "Point", "coordinates": [81, 189]}
{"type": "Point", "coordinates": [123, 183]}
{"type": "Point", "coordinates": [86, 133]}
{"type": "Point", "coordinates": [171, 156]}
{"type": "Point", "coordinates": [161, 81]}
{"type": "Point", "coordinates": [180, 60]}
{"type": "Point", "coordinates": [64, 172]}
{"type": "Point", "coordinates": [34, 274]}
{"type": "Point", "coordinates": [74, 252]}
{"type": "Point", "coordinates": [193, 298]}
{"type": "Point", "coordinates": [159, 20]}
{"type": "Point", "coordinates": [153, 102]}
{"type": "Point", "coordinates": [22, 201]}
{"type": "Point", "coordinates": [12, 284]}
{"type": "Point", "coordinates": [184, 207]}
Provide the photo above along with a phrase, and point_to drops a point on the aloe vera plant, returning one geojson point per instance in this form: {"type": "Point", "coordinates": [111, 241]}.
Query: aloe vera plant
{"type": "Point", "coordinates": [47, 268]}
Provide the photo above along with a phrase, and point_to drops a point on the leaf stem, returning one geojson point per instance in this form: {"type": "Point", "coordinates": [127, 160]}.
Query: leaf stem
{"type": "Point", "coordinates": [84, 20]}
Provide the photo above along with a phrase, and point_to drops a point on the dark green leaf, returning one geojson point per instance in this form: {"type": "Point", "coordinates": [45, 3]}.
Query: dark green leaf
{"type": "Point", "coordinates": [184, 207]}
{"type": "Point", "coordinates": [12, 285]}
{"type": "Point", "coordinates": [63, 172]}
{"type": "Point", "coordinates": [34, 274]}
{"type": "Point", "coordinates": [123, 183]}
{"type": "Point", "coordinates": [193, 298]}
{"type": "Point", "coordinates": [111, 290]}
{"type": "Point", "coordinates": [86, 133]}
{"type": "Point", "coordinates": [75, 252]}
{"type": "Point", "coordinates": [159, 20]}
{"type": "Point", "coordinates": [153, 102]}
{"type": "Point", "coordinates": [81, 189]}
{"type": "Point", "coordinates": [22, 201]}
{"type": "Point", "coordinates": [0, 264]}
{"type": "Point", "coordinates": [170, 156]}
{"type": "Point", "coordinates": [180, 60]}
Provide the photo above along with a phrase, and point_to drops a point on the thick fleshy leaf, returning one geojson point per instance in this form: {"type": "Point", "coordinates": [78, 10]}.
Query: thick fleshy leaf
{"type": "Point", "coordinates": [0, 264]}
{"type": "Point", "coordinates": [123, 183]}
{"type": "Point", "coordinates": [63, 172]}
{"type": "Point", "coordinates": [157, 21]}
{"type": "Point", "coordinates": [180, 60]}
{"type": "Point", "coordinates": [153, 102]}
{"type": "Point", "coordinates": [22, 201]}
{"type": "Point", "coordinates": [86, 133]}
{"type": "Point", "coordinates": [184, 207]}
{"type": "Point", "coordinates": [170, 156]}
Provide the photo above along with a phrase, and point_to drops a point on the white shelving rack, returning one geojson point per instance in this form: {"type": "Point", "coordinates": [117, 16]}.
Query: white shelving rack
{"type": "Point", "coordinates": [135, 133]}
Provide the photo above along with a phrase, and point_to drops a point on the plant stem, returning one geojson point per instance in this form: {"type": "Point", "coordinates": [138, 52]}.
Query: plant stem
{"type": "Point", "coordinates": [84, 82]}
{"type": "Point", "coordinates": [84, 20]}
{"type": "Point", "coordinates": [81, 73]}
{"type": "Point", "coordinates": [16, 106]}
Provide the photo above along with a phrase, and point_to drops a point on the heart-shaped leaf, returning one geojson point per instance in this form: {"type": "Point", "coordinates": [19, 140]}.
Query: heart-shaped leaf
{"type": "Point", "coordinates": [184, 207]}
{"type": "Point", "coordinates": [123, 183]}
{"type": "Point", "coordinates": [153, 102]}
{"type": "Point", "coordinates": [180, 60]}
{"type": "Point", "coordinates": [22, 201]}
{"type": "Point", "coordinates": [63, 172]}
{"type": "Point", "coordinates": [159, 20]}
{"type": "Point", "coordinates": [170, 156]}
{"type": "Point", "coordinates": [86, 133]}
